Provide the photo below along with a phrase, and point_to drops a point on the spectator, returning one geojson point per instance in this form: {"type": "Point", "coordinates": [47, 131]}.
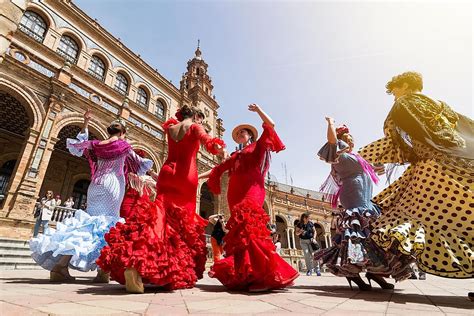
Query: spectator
{"type": "Point", "coordinates": [46, 207]}
{"type": "Point", "coordinates": [217, 236]}
{"type": "Point", "coordinates": [84, 206]}
{"type": "Point", "coordinates": [277, 242]}
{"type": "Point", "coordinates": [58, 200]}
{"type": "Point", "coordinates": [307, 232]}
{"type": "Point", "coordinates": [69, 202]}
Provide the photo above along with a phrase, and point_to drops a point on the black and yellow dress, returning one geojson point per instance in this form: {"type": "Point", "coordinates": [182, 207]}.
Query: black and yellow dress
{"type": "Point", "coordinates": [428, 212]}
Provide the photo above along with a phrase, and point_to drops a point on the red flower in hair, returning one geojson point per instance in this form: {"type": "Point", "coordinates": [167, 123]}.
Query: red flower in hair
{"type": "Point", "coordinates": [179, 116]}
{"type": "Point", "coordinates": [341, 130]}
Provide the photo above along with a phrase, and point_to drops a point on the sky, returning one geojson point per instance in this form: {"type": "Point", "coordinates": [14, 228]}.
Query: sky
{"type": "Point", "coordinates": [303, 60]}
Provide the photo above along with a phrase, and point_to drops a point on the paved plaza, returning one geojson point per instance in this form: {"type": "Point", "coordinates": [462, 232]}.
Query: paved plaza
{"type": "Point", "coordinates": [30, 293]}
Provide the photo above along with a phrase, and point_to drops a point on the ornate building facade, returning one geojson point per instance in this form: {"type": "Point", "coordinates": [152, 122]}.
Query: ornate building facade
{"type": "Point", "coordinates": [57, 62]}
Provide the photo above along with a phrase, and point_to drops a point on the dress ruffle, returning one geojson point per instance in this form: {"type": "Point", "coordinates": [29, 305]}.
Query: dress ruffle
{"type": "Point", "coordinates": [330, 152]}
{"type": "Point", "coordinates": [160, 252]}
{"type": "Point", "coordinates": [353, 251]}
{"type": "Point", "coordinates": [251, 262]}
{"type": "Point", "coordinates": [272, 140]}
{"type": "Point", "coordinates": [210, 145]}
{"type": "Point", "coordinates": [81, 237]}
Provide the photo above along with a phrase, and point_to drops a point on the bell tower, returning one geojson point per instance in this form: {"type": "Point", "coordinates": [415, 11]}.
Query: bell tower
{"type": "Point", "coordinates": [196, 86]}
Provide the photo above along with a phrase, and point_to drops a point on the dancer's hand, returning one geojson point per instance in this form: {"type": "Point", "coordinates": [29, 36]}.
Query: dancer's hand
{"type": "Point", "coordinates": [87, 115]}
{"type": "Point", "coordinates": [254, 108]}
{"type": "Point", "coordinates": [330, 120]}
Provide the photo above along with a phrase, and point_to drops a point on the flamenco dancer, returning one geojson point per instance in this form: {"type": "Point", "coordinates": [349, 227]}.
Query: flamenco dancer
{"type": "Point", "coordinates": [251, 262]}
{"type": "Point", "coordinates": [428, 211]}
{"type": "Point", "coordinates": [163, 242]}
{"type": "Point", "coordinates": [350, 184]}
{"type": "Point", "coordinates": [77, 242]}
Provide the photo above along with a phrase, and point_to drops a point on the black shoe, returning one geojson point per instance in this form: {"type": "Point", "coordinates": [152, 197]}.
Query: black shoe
{"type": "Point", "coordinates": [470, 295]}
{"type": "Point", "coordinates": [379, 280]}
{"type": "Point", "coordinates": [360, 283]}
{"type": "Point", "coordinates": [421, 276]}
{"type": "Point", "coordinates": [413, 277]}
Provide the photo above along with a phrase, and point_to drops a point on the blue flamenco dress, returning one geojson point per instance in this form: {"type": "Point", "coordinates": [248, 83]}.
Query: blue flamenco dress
{"type": "Point", "coordinates": [350, 184]}
{"type": "Point", "coordinates": [82, 236]}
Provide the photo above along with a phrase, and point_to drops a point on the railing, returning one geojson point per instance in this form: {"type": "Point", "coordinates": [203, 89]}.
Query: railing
{"type": "Point", "coordinates": [60, 213]}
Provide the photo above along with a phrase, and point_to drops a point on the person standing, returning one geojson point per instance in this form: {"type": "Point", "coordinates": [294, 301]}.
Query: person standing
{"type": "Point", "coordinates": [428, 211]}
{"type": "Point", "coordinates": [217, 236]}
{"type": "Point", "coordinates": [251, 262]}
{"type": "Point", "coordinates": [58, 200]}
{"type": "Point", "coordinates": [163, 242]}
{"type": "Point", "coordinates": [69, 202]}
{"type": "Point", "coordinates": [306, 232]}
{"type": "Point", "coordinates": [77, 242]}
{"type": "Point", "coordinates": [47, 206]}
{"type": "Point", "coordinates": [350, 184]}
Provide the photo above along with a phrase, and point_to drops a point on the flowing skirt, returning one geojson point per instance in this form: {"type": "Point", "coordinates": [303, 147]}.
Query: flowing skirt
{"type": "Point", "coordinates": [251, 263]}
{"type": "Point", "coordinates": [81, 237]}
{"type": "Point", "coordinates": [354, 252]}
{"type": "Point", "coordinates": [164, 243]}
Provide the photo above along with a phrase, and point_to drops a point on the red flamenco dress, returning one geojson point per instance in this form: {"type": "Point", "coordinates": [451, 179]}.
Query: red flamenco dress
{"type": "Point", "coordinates": [164, 240]}
{"type": "Point", "coordinates": [251, 263]}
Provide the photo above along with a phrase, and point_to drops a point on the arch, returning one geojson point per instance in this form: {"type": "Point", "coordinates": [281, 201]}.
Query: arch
{"type": "Point", "coordinates": [99, 53]}
{"type": "Point", "coordinates": [147, 92]}
{"type": "Point", "coordinates": [34, 25]}
{"type": "Point", "coordinates": [32, 104]}
{"type": "Point", "coordinates": [97, 67]}
{"type": "Point", "coordinates": [160, 102]}
{"type": "Point", "coordinates": [75, 36]}
{"type": "Point", "coordinates": [48, 18]}
{"type": "Point", "coordinates": [77, 119]}
{"type": "Point", "coordinates": [281, 228]}
{"type": "Point", "coordinates": [127, 74]}
{"type": "Point", "coordinates": [150, 153]}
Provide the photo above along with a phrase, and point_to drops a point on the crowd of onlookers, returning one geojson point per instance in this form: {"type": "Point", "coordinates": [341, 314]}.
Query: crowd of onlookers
{"type": "Point", "coordinates": [45, 208]}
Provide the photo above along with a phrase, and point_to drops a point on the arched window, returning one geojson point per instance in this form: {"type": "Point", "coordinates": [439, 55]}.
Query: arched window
{"type": "Point", "coordinates": [33, 25]}
{"type": "Point", "coordinates": [97, 68]}
{"type": "Point", "coordinates": [121, 84]}
{"type": "Point", "coordinates": [68, 48]}
{"type": "Point", "coordinates": [142, 97]}
{"type": "Point", "coordinates": [160, 109]}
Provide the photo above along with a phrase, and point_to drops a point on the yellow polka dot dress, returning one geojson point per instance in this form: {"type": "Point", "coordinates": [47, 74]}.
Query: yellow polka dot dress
{"type": "Point", "coordinates": [428, 211]}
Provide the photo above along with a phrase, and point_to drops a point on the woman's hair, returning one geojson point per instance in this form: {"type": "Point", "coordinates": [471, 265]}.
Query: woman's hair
{"type": "Point", "coordinates": [188, 112]}
{"type": "Point", "coordinates": [303, 216]}
{"type": "Point", "coordinates": [252, 136]}
{"type": "Point", "coordinates": [116, 127]}
{"type": "Point", "coordinates": [413, 79]}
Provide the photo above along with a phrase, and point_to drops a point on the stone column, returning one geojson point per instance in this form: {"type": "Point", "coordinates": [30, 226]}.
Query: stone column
{"type": "Point", "coordinates": [11, 12]}
{"type": "Point", "coordinates": [287, 230]}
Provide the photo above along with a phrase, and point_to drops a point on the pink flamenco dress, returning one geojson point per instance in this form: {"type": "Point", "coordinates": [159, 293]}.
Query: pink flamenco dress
{"type": "Point", "coordinates": [164, 240]}
{"type": "Point", "coordinates": [251, 262]}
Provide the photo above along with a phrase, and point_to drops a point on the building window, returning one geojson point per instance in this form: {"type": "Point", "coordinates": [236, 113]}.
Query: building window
{"type": "Point", "coordinates": [68, 48]}
{"type": "Point", "coordinates": [121, 84]}
{"type": "Point", "coordinates": [160, 109]}
{"type": "Point", "coordinates": [97, 68]}
{"type": "Point", "coordinates": [33, 25]}
{"type": "Point", "coordinates": [142, 97]}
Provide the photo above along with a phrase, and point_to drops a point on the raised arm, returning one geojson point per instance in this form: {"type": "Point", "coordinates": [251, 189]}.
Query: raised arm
{"type": "Point", "coordinates": [264, 116]}
{"type": "Point", "coordinates": [87, 118]}
{"type": "Point", "coordinates": [331, 132]}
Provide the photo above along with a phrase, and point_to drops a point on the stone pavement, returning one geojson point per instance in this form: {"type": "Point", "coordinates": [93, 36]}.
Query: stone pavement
{"type": "Point", "coordinates": [30, 293]}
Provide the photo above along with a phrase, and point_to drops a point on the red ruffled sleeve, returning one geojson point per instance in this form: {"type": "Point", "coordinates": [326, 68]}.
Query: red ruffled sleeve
{"type": "Point", "coordinates": [169, 123]}
{"type": "Point", "coordinates": [214, 181]}
{"type": "Point", "coordinates": [270, 139]}
{"type": "Point", "coordinates": [208, 141]}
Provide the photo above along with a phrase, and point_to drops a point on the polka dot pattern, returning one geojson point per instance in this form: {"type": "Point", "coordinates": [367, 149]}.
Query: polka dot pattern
{"type": "Point", "coordinates": [428, 211]}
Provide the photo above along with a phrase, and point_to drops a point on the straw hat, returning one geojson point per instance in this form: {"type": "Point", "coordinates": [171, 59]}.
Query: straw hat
{"type": "Point", "coordinates": [237, 129]}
